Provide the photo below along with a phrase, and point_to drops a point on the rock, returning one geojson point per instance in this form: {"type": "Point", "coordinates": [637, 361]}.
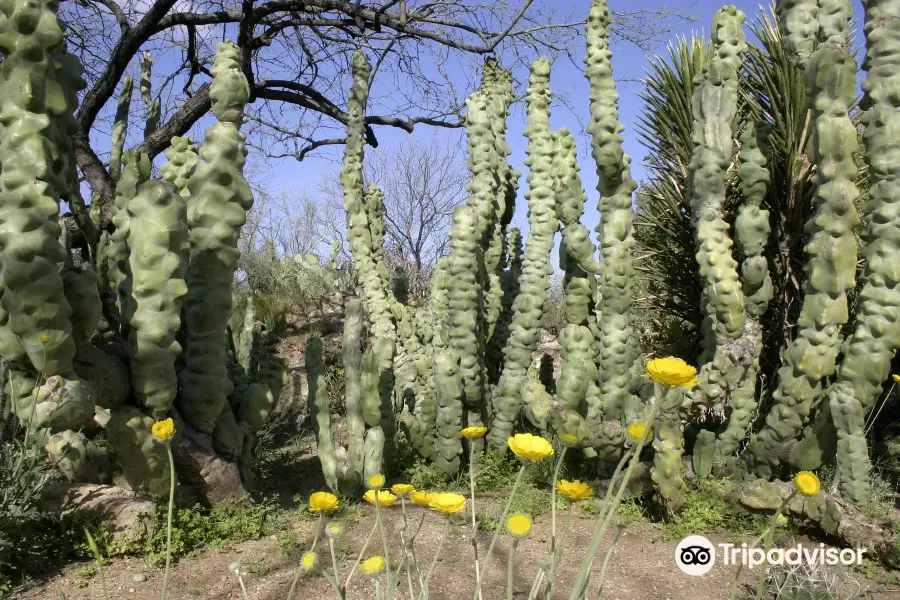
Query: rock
{"type": "Point", "coordinates": [128, 514]}
{"type": "Point", "coordinates": [139, 578]}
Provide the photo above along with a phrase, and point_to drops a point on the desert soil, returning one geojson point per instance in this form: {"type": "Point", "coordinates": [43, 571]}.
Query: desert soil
{"type": "Point", "coordinates": [642, 567]}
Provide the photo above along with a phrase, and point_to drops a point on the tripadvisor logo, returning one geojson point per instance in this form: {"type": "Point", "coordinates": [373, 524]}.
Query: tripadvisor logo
{"type": "Point", "coordinates": [696, 555]}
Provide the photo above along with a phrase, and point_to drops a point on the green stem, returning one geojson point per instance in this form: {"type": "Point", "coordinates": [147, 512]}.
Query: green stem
{"type": "Point", "coordinates": [169, 519]}
{"type": "Point", "coordinates": [610, 510]}
{"type": "Point", "coordinates": [437, 554]}
{"type": "Point", "coordinates": [761, 580]}
{"type": "Point", "coordinates": [359, 556]}
{"type": "Point", "coordinates": [96, 550]}
{"type": "Point", "coordinates": [556, 559]}
{"type": "Point", "coordinates": [538, 578]}
{"type": "Point", "coordinates": [620, 529]}
{"type": "Point", "coordinates": [384, 543]}
{"type": "Point", "coordinates": [378, 589]}
{"type": "Point", "coordinates": [772, 522]}
{"type": "Point", "coordinates": [243, 589]}
{"type": "Point", "coordinates": [500, 526]}
{"type": "Point", "coordinates": [408, 550]}
{"type": "Point", "coordinates": [312, 549]}
{"type": "Point", "coordinates": [474, 525]}
{"type": "Point", "coordinates": [562, 454]}
{"type": "Point", "coordinates": [334, 567]}
{"type": "Point", "coordinates": [511, 569]}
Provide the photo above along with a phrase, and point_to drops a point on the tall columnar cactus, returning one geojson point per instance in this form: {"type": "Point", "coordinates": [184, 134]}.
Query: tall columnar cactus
{"type": "Point", "coordinates": [153, 106]}
{"type": "Point", "coordinates": [834, 17]}
{"type": "Point", "coordinates": [799, 24]}
{"type": "Point", "coordinates": [135, 172]}
{"type": "Point", "coordinates": [617, 343]}
{"type": "Point", "coordinates": [668, 443]}
{"type": "Point", "coordinates": [751, 234]}
{"type": "Point", "coordinates": [448, 422]}
{"type": "Point", "coordinates": [182, 159]}
{"type": "Point", "coordinates": [533, 282]}
{"type": "Point", "coordinates": [831, 250]}
{"type": "Point", "coordinates": [216, 210]}
{"type": "Point", "coordinates": [869, 351]}
{"type": "Point", "coordinates": [714, 104]}
{"type": "Point", "coordinates": [336, 467]}
{"type": "Point", "coordinates": [356, 426]}
{"type": "Point", "coordinates": [34, 314]}
{"type": "Point", "coordinates": [158, 249]}
{"type": "Point", "coordinates": [120, 128]}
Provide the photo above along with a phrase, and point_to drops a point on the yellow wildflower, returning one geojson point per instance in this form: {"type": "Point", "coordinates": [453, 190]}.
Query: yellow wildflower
{"type": "Point", "coordinates": [309, 560]}
{"type": "Point", "coordinates": [372, 565]}
{"type": "Point", "coordinates": [472, 433]}
{"type": "Point", "coordinates": [403, 489]}
{"type": "Point", "coordinates": [636, 431]}
{"type": "Point", "coordinates": [807, 483]}
{"type": "Point", "coordinates": [332, 530]}
{"type": "Point", "coordinates": [447, 503]}
{"type": "Point", "coordinates": [530, 447]}
{"type": "Point", "coordinates": [574, 490]}
{"type": "Point", "coordinates": [896, 378]}
{"type": "Point", "coordinates": [420, 497]}
{"type": "Point", "coordinates": [781, 520]}
{"type": "Point", "coordinates": [322, 502]}
{"type": "Point", "coordinates": [385, 498]}
{"type": "Point", "coordinates": [672, 372]}
{"type": "Point", "coordinates": [44, 339]}
{"type": "Point", "coordinates": [518, 525]}
{"type": "Point", "coordinates": [376, 482]}
{"type": "Point", "coordinates": [163, 430]}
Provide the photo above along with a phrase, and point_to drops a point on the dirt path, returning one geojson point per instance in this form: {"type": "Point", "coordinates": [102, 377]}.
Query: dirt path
{"type": "Point", "coordinates": [642, 567]}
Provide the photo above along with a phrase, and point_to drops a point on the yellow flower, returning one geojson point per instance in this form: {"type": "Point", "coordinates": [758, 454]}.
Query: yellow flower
{"type": "Point", "coordinates": [44, 339]}
{"type": "Point", "coordinates": [322, 502]}
{"type": "Point", "coordinates": [807, 483]}
{"type": "Point", "coordinates": [518, 525]}
{"type": "Point", "coordinates": [781, 520]}
{"type": "Point", "coordinates": [472, 433]}
{"type": "Point", "coordinates": [672, 372]}
{"type": "Point", "coordinates": [574, 490]}
{"type": "Point", "coordinates": [896, 378]}
{"type": "Point", "coordinates": [309, 560]}
{"type": "Point", "coordinates": [530, 447]}
{"type": "Point", "coordinates": [376, 482]}
{"type": "Point", "coordinates": [402, 489]}
{"type": "Point", "coordinates": [372, 565]}
{"type": "Point", "coordinates": [332, 530]}
{"type": "Point", "coordinates": [420, 497]}
{"type": "Point", "coordinates": [568, 439]}
{"type": "Point", "coordinates": [385, 498]}
{"type": "Point", "coordinates": [447, 503]}
{"type": "Point", "coordinates": [637, 431]}
{"type": "Point", "coordinates": [163, 430]}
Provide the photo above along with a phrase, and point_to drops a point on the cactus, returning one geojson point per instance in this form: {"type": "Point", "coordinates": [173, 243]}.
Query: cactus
{"type": "Point", "coordinates": [668, 444]}
{"type": "Point", "coordinates": [799, 25]}
{"type": "Point", "coordinates": [356, 427]}
{"type": "Point", "coordinates": [157, 250]}
{"type": "Point", "coordinates": [182, 159]}
{"type": "Point", "coordinates": [617, 345]}
{"type": "Point", "coordinates": [153, 106]}
{"type": "Point", "coordinates": [216, 210]}
{"type": "Point", "coordinates": [529, 303]}
{"type": "Point", "coordinates": [703, 454]}
{"type": "Point", "coordinates": [143, 457]}
{"type": "Point", "coordinates": [339, 475]}
{"type": "Point", "coordinates": [448, 398]}
{"type": "Point", "coordinates": [831, 267]}
{"type": "Point", "coordinates": [120, 129]}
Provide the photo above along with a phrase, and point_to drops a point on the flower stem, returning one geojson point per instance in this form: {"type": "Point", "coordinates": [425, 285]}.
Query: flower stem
{"type": "Point", "coordinates": [772, 522]}
{"type": "Point", "coordinates": [556, 558]}
{"type": "Point", "coordinates": [559, 463]}
{"type": "Point", "coordinates": [474, 525]}
{"type": "Point", "coordinates": [538, 578]}
{"type": "Point", "coordinates": [378, 589]}
{"type": "Point", "coordinates": [435, 559]}
{"type": "Point", "coordinates": [384, 544]}
{"type": "Point", "coordinates": [511, 569]}
{"type": "Point", "coordinates": [359, 556]}
{"type": "Point", "coordinates": [312, 549]}
{"type": "Point", "coordinates": [165, 587]}
{"type": "Point", "coordinates": [334, 567]}
{"type": "Point", "coordinates": [243, 589]}
{"type": "Point", "coordinates": [620, 529]}
{"type": "Point", "coordinates": [487, 557]}
{"type": "Point", "coordinates": [609, 511]}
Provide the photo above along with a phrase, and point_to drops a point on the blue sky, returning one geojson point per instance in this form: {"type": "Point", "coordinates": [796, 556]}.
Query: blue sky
{"type": "Point", "coordinates": [567, 82]}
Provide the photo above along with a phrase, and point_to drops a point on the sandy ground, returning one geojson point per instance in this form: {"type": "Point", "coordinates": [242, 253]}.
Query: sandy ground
{"type": "Point", "coordinates": [642, 568]}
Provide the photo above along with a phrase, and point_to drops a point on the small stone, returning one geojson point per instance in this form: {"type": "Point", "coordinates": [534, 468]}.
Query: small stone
{"type": "Point", "coordinates": [139, 578]}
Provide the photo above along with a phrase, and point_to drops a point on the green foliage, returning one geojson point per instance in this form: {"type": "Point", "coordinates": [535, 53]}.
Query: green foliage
{"type": "Point", "coordinates": [803, 582]}
{"type": "Point", "coordinates": [28, 535]}
{"type": "Point", "coordinates": [426, 475]}
{"type": "Point", "coordinates": [706, 511]}
{"type": "Point", "coordinates": [196, 528]}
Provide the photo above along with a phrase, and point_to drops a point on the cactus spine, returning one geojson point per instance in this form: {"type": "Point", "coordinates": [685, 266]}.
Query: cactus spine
{"type": "Point", "coordinates": [219, 199]}
{"type": "Point", "coordinates": [617, 345]}
{"type": "Point", "coordinates": [529, 304]}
